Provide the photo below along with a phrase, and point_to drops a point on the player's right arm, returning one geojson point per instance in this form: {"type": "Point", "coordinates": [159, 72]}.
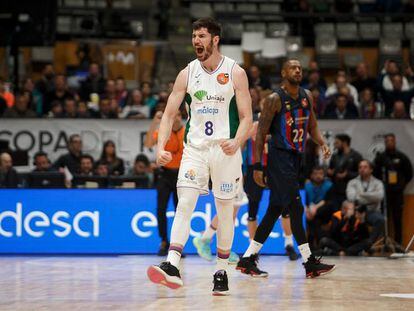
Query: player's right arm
{"type": "Point", "coordinates": [271, 107]}
{"type": "Point", "coordinates": [174, 101]}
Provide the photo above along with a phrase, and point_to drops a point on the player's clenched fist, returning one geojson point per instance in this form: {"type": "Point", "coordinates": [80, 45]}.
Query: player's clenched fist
{"type": "Point", "coordinates": [163, 157]}
{"type": "Point", "coordinates": [229, 146]}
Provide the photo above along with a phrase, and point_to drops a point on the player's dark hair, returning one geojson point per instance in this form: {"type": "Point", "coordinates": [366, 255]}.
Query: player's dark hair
{"type": "Point", "coordinates": [213, 27]}
{"type": "Point", "coordinates": [344, 138]}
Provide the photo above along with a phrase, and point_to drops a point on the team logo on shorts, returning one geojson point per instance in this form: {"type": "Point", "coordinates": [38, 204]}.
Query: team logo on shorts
{"type": "Point", "coordinates": [304, 103]}
{"type": "Point", "coordinates": [190, 175]}
{"type": "Point", "coordinates": [226, 187]}
{"type": "Point", "coordinates": [223, 78]}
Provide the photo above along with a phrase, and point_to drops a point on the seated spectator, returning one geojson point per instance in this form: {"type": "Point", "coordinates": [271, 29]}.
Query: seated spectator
{"type": "Point", "coordinates": [108, 157]}
{"type": "Point", "coordinates": [135, 108]}
{"type": "Point", "coordinates": [71, 160]}
{"type": "Point", "coordinates": [35, 97]}
{"type": "Point", "coordinates": [142, 168]}
{"type": "Point", "coordinates": [105, 110]}
{"type": "Point", "coordinates": [341, 108]}
{"type": "Point", "coordinates": [343, 167]}
{"type": "Point", "coordinates": [314, 80]}
{"type": "Point", "coordinates": [42, 162]}
{"type": "Point", "coordinates": [121, 92]}
{"type": "Point", "coordinates": [348, 233]}
{"type": "Point", "coordinates": [257, 79]}
{"type": "Point", "coordinates": [369, 108]}
{"type": "Point", "coordinates": [147, 97]}
{"type": "Point", "coordinates": [83, 111]}
{"type": "Point", "coordinates": [86, 165]}
{"type": "Point", "coordinates": [341, 81]}
{"type": "Point", "coordinates": [318, 210]}
{"type": "Point", "coordinates": [46, 84]}
{"type": "Point", "coordinates": [21, 108]}
{"type": "Point", "coordinates": [110, 89]}
{"type": "Point", "coordinates": [102, 170]}
{"type": "Point", "coordinates": [56, 110]}
{"type": "Point", "coordinates": [397, 94]}
{"type": "Point", "coordinates": [60, 93]}
{"type": "Point", "coordinates": [391, 69]}
{"type": "Point", "coordinates": [8, 175]}
{"type": "Point", "coordinates": [363, 80]}
{"type": "Point", "coordinates": [255, 95]}
{"type": "Point", "coordinates": [94, 83]}
{"type": "Point", "coordinates": [398, 111]}
{"type": "Point", "coordinates": [368, 191]}
{"type": "Point", "coordinates": [70, 109]}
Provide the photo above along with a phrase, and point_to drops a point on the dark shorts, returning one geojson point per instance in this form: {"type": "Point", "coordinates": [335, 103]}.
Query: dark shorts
{"type": "Point", "coordinates": [283, 170]}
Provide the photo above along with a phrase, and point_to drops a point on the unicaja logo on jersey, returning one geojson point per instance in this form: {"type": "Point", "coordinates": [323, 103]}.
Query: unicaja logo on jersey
{"type": "Point", "coordinates": [200, 94]}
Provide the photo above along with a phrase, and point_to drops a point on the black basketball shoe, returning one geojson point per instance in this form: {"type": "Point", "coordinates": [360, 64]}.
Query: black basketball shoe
{"type": "Point", "coordinates": [248, 265]}
{"type": "Point", "coordinates": [315, 268]}
{"type": "Point", "coordinates": [221, 283]}
{"type": "Point", "coordinates": [290, 251]}
{"type": "Point", "coordinates": [165, 274]}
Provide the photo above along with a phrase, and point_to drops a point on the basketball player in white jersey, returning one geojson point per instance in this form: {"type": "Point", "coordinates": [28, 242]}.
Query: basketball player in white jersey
{"type": "Point", "coordinates": [216, 91]}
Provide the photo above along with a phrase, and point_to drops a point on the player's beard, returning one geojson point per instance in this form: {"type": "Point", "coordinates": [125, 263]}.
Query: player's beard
{"type": "Point", "coordinates": [294, 81]}
{"type": "Point", "coordinates": [208, 50]}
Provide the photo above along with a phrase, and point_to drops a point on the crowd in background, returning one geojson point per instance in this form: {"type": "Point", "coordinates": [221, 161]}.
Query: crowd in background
{"type": "Point", "coordinates": [351, 95]}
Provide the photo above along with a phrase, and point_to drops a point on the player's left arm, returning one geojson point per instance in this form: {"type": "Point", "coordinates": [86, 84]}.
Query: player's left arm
{"type": "Point", "coordinates": [313, 129]}
{"type": "Point", "coordinates": [244, 107]}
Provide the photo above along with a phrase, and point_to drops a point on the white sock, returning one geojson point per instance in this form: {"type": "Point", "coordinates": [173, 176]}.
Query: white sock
{"type": "Point", "coordinates": [288, 240]}
{"type": "Point", "coordinates": [305, 251]}
{"type": "Point", "coordinates": [208, 234]}
{"type": "Point", "coordinates": [222, 264]}
{"type": "Point", "coordinates": [174, 258]}
{"type": "Point", "coordinates": [254, 248]}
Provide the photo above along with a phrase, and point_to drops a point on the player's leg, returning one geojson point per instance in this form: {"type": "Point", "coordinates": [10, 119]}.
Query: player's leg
{"type": "Point", "coordinates": [288, 236]}
{"type": "Point", "coordinates": [191, 181]}
{"type": "Point", "coordinates": [254, 193]}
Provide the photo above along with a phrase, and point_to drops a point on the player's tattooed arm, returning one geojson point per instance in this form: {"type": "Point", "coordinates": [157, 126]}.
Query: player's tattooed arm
{"type": "Point", "coordinates": [313, 129]}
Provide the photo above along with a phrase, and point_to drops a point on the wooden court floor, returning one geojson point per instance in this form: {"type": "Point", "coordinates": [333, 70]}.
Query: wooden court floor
{"type": "Point", "coordinates": [120, 283]}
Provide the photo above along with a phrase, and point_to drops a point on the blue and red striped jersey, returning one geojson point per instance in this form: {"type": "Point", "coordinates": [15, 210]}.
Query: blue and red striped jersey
{"type": "Point", "coordinates": [290, 126]}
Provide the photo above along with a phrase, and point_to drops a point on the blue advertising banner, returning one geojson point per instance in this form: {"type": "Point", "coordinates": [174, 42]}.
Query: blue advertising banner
{"type": "Point", "coordinates": [104, 222]}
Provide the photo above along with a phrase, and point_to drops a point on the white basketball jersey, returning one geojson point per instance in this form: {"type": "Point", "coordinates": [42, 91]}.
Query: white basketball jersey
{"type": "Point", "coordinates": [213, 113]}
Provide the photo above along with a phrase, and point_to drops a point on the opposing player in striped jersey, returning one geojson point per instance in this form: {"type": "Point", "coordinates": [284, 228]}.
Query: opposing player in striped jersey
{"type": "Point", "coordinates": [216, 91]}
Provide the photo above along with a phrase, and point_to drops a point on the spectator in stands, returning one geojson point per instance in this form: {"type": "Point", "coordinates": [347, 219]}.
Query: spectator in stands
{"type": "Point", "coordinates": [110, 89]}
{"type": "Point", "coordinates": [255, 95]}
{"type": "Point", "coordinates": [348, 233]}
{"type": "Point", "coordinates": [135, 109]}
{"type": "Point", "coordinates": [340, 82]}
{"type": "Point", "coordinates": [56, 110]}
{"type": "Point", "coordinates": [8, 175]}
{"type": "Point", "coordinates": [341, 108]}
{"type": "Point", "coordinates": [314, 80]}
{"type": "Point", "coordinates": [257, 79]}
{"type": "Point", "coordinates": [108, 157]}
{"type": "Point", "coordinates": [70, 108]}
{"type": "Point", "coordinates": [366, 190]}
{"type": "Point", "coordinates": [5, 94]}
{"type": "Point", "coordinates": [121, 92]}
{"type": "Point", "coordinates": [369, 108]}
{"type": "Point", "coordinates": [60, 93]}
{"type": "Point", "coordinates": [86, 165]}
{"type": "Point", "coordinates": [394, 168]}
{"type": "Point", "coordinates": [42, 162]}
{"type": "Point", "coordinates": [94, 83]}
{"type": "Point", "coordinates": [102, 170]}
{"type": "Point", "coordinates": [21, 108]}
{"type": "Point", "coordinates": [398, 110]}
{"type": "Point", "coordinates": [396, 94]}
{"type": "Point", "coordinates": [391, 69]}
{"type": "Point", "coordinates": [105, 110]}
{"type": "Point", "coordinates": [142, 168]}
{"type": "Point", "coordinates": [147, 96]}
{"type": "Point", "coordinates": [83, 111]}
{"type": "Point", "coordinates": [318, 210]}
{"type": "Point", "coordinates": [362, 80]}
{"type": "Point", "coordinates": [71, 160]}
{"type": "Point", "coordinates": [35, 97]}
{"type": "Point", "coordinates": [46, 84]}
{"type": "Point", "coordinates": [319, 101]}
{"type": "Point", "coordinates": [343, 167]}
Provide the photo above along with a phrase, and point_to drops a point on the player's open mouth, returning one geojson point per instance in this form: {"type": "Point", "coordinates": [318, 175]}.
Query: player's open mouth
{"type": "Point", "coordinates": [199, 50]}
